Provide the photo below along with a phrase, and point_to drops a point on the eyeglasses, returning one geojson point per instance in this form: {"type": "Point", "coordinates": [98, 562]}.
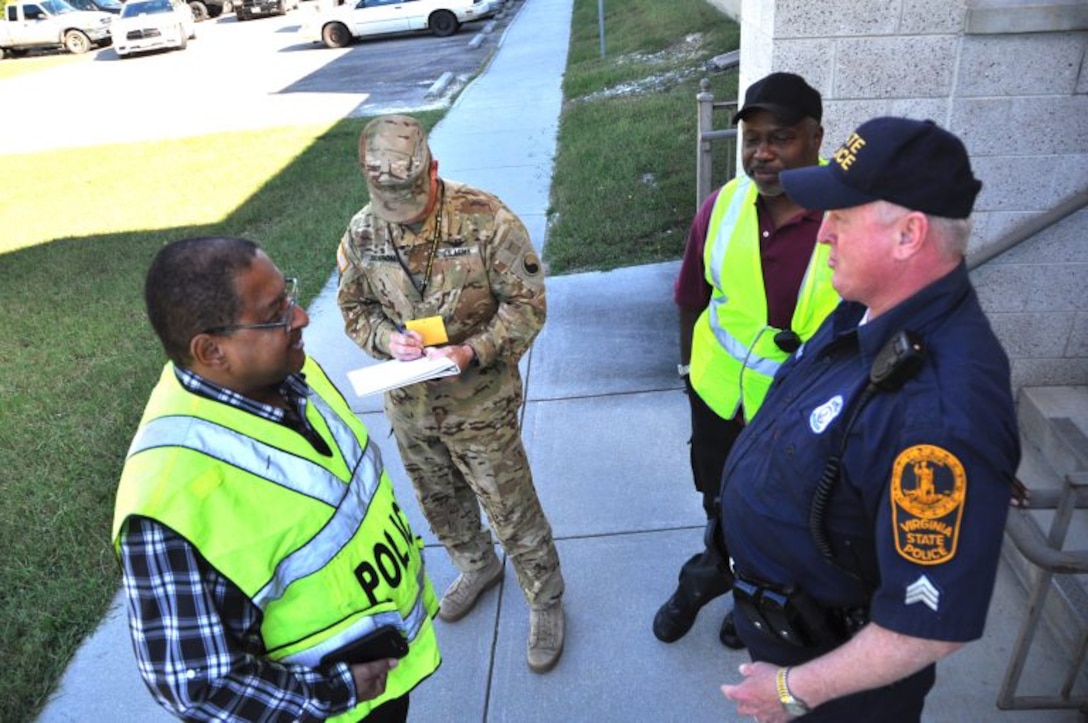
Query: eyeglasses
{"type": "Point", "coordinates": [290, 297]}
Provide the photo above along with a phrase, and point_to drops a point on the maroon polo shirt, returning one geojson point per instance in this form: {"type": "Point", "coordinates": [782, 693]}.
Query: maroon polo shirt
{"type": "Point", "coordinates": [785, 253]}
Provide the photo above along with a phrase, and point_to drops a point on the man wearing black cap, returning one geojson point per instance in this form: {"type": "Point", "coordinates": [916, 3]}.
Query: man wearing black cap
{"type": "Point", "coordinates": [753, 285]}
{"type": "Point", "coordinates": [864, 506]}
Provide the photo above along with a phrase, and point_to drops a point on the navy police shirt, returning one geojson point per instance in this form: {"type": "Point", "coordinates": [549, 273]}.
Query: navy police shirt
{"type": "Point", "coordinates": [919, 509]}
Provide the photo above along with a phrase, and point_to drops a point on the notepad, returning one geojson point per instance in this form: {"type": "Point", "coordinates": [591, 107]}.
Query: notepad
{"type": "Point", "coordinates": [393, 374]}
{"type": "Point", "coordinates": [431, 328]}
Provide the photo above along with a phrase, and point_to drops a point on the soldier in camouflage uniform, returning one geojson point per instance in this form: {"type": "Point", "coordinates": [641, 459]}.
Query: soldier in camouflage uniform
{"type": "Point", "coordinates": [428, 247]}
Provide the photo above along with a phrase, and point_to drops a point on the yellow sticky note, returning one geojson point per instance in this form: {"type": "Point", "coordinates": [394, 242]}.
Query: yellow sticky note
{"type": "Point", "coordinates": [432, 329]}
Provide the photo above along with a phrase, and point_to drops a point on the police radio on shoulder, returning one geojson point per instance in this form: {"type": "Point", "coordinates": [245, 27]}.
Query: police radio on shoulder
{"type": "Point", "coordinates": [897, 361]}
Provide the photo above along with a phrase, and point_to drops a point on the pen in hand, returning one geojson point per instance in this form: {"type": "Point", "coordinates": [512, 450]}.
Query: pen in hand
{"type": "Point", "coordinates": [406, 345]}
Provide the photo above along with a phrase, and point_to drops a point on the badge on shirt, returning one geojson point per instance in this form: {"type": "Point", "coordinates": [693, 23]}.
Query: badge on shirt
{"type": "Point", "coordinates": [825, 414]}
{"type": "Point", "coordinates": [449, 253]}
{"type": "Point", "coordinates": [928, 489]}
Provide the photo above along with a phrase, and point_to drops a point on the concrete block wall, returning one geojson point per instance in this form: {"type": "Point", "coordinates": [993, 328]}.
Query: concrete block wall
{"type": "Point", "coordinates": [1010, 77]}
{"type": "Point", "coordinates": [1036, 296]}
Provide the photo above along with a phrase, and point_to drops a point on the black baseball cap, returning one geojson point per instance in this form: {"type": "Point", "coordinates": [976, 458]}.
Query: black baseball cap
{"type": "Point", "coordinates": [912, 163]}
{"type": "Point", "coordinates": [785, 95]}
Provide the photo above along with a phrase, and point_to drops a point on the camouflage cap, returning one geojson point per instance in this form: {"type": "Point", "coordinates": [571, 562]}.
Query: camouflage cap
{"type": "Point", "coordinates": [396, 161]}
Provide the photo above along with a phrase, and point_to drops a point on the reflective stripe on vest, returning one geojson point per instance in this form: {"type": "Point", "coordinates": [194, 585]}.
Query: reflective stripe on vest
{"type": "Point", "coordinates": [296, 474]}
{"type": "Point", "coordinates": [254, 456]}
{"type": "Point", "coordinates": [410, 625]}
{"type": "Point", "coordinates": [733, 357]}
{"type": "Point", "coordinates": [736, 348]}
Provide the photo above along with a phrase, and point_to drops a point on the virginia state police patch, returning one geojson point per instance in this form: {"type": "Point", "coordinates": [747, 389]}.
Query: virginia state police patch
{"type": "Point", "coordinates": [927, 493]}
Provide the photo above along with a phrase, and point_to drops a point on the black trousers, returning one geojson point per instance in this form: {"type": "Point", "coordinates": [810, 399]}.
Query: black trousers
{"type": "Point", "coordinates": [703, 576]}
{"type": "Point", "coordinates": [711, 439]}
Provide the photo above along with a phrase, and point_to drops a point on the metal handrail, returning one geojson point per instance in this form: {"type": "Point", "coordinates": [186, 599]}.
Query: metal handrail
{"type": "Point", "coordinates": [705, 132]}
{"type": "Point", "coordinates": [1029, 540]}
{"type": "Point", "coordinates": [1047, 554]}
{"type": "Point", "coordinates": [1031, 227]}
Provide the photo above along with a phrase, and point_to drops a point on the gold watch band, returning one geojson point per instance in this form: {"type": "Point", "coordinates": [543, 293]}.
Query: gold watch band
{"type": "Point", "coordinates": [793, 705]}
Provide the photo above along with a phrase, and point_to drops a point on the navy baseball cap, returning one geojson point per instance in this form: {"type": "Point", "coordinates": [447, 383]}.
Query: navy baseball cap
{"type": "Point", "coordinates": [911, 163]}
{"type": "Point", "coordinates": [785, 95]}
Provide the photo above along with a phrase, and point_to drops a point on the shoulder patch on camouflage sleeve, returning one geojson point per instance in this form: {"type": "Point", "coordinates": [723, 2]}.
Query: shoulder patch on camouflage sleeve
{"type": "Point", "coordinates": [531, 263]}
{"type": "Point", "coordinates": [928, 489]}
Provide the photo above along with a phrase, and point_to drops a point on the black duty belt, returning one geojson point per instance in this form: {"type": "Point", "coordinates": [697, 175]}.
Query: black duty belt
{"type": "Point", "coordinates": [792, 616]}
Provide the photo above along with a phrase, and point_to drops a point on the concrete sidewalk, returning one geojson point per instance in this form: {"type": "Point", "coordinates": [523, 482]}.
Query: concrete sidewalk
{"type": "Point", "coordinates": [606, 426]}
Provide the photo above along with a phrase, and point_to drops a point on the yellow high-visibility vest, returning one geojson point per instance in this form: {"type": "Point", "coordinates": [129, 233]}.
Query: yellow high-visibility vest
{"type": "Point", "coordinates": [318, 543]}
{"type": "Point", "coordinates": [733, 354]}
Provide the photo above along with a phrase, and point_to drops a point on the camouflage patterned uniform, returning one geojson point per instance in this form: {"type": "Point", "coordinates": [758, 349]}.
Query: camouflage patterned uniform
{"type": "Point", "coordinates": [460, 437]}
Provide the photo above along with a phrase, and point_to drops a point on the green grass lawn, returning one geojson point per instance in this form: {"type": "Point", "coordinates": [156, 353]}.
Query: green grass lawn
{"type": "Point", "coordinates": [623, 189]}
{"type": "Point", "coordinates": [80, 226]}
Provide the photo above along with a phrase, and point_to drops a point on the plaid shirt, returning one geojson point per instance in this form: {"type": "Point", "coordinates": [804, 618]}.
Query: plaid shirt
{"type": "Point", "coordinates": [293, 389]}
{"type": "Point", "coordinates": [197, 636]}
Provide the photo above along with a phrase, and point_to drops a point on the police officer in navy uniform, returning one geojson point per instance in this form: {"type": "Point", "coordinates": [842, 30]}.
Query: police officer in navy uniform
{"type": "Point", "coordinates": [864, 506]}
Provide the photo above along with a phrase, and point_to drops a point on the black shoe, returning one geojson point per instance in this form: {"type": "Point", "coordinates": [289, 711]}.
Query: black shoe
{"type": "Point", "coordinates": [728, 633]}
{"type": "Point", "coordinates": [674, 619]}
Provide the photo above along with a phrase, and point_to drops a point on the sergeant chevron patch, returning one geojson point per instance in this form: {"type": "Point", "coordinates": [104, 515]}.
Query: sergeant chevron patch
{"type": "Point", "coordinates": [923, 591]}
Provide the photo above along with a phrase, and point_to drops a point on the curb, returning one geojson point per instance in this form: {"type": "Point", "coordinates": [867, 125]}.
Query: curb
{"type": "Point", "coordinates": [479, 38]}
{"type": "Point", "coordinates": [439, 86]}
{"type": "Point", "coordinates": [442, 84]}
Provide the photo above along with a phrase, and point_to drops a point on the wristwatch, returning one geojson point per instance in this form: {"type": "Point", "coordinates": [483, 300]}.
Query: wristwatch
{"type": "Point", "coordinates": [793, 706]}
{"type": "Point", "coordinates": [683, 370]}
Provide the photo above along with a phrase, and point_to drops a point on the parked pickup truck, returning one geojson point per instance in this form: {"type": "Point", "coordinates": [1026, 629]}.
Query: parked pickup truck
{"type": "Point", "coordinates": [34, 24]}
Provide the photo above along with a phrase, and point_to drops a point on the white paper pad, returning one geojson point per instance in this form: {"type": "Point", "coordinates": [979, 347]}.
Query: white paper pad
{"type": "Point", "coordinates": [393, 374]}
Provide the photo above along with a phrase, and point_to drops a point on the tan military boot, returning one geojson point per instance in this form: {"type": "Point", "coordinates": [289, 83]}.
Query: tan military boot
{"type": "Point", "coordinates": [545, 637]}
{"type": "Point", "coordinates": [463, 592]}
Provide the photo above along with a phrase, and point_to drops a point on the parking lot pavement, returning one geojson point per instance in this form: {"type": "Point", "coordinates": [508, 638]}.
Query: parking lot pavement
{"type": "Point", "coordinates": [234, 76]}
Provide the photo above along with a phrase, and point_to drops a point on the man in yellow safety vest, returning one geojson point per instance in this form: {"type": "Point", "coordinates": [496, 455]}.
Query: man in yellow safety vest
{"type": "Point", "coordinates": [753, 286]}
{"type": "Point", "coordinates": [269, 572]}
